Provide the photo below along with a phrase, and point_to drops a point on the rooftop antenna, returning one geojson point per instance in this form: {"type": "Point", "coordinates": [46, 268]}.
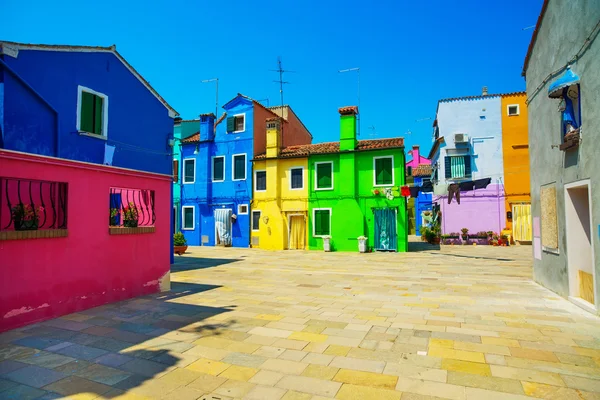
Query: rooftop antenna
{"type": "Point", "coordinates": [528, 27]}
{"type": "Point", "coordinates": [357, 69]}
{"type": "Point", "coordinates": [261, 100]}
{"type": "Point", "coordinates": [217, 92]}
{"type": "Point", "coordinates": [423, 119]}
{"type": "Point", "coordinates": [373, 132]}
{"type": "Point", "coordinates": [281, 82]}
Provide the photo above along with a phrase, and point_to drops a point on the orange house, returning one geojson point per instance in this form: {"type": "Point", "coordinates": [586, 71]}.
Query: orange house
{"type": "Point", "coordinates": [515, 150]}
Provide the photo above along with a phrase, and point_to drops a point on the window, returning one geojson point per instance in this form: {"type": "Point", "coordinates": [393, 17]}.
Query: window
{"type": "Point", "coordinates": [242, 209]}
{"type": "Point", "coordinates": [239, 167]}
{"type": "Point", "coordinates": [92, 112]}
{"type": "Point", "coordinates": [321, 222]}
{"type": "Point", "coordinates": [383, 171]}
{"type": "Point", "coordinates": [260, 181]}
{"type": "Point", "coordinates": [512, 109]}
{"type": "Point", "coordinates": [188, 216]}
{"type": "Point", "coordinates": [296, 178]}
{"type": "Point", "coordinates": [237, 123]}
{"type": "Point", "coordinates": [189, 170]}
{"type": "Point", "coordinates": [408, 171]}
{"type": "Point", "coordinates": [255, 220]}
{"type": "Point", "coordinates": [175, 170]}
{"type": "Point", "coordinates": [131, 208]}
{"type": "Point", "coordinates": [218, 169]}
{"type": "Point", "coordinates": [324, 175]}
{"type": "Point", "coordinates": [457, 167]}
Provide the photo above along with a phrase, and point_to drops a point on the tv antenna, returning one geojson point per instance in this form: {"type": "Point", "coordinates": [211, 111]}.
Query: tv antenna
{"type": "Point", "coordinates": [281, 82]}
{"type": "Point", "coordinates": [373, 132]}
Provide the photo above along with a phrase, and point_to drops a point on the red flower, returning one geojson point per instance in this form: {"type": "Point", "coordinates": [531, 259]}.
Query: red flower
{"type": "Point", "coordinates": [376, 191]}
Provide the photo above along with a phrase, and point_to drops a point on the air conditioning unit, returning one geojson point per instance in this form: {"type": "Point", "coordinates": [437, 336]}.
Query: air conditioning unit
{"type": "Point", "coordinates": [461, 138]}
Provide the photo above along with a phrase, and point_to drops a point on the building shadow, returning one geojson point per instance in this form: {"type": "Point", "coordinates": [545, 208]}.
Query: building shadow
{"type": "Point", "coordinates": [189, 263]}
{"type": "Point", "coordinates": [115, 347]}
{"type": "Point", "coordinates": [414, 247]}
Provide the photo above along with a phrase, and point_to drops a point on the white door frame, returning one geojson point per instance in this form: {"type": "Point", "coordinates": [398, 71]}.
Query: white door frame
{"type": "Point", "coordinates": [577, 300]}
{"type": "Point", "coordinates": [290, 229]}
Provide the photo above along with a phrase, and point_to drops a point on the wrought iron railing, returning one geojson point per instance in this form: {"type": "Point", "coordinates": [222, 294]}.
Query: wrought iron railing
{"type": "Point", "coordinates": [28, 204]}
{"type": "Point", "coordinates": [131, 208]}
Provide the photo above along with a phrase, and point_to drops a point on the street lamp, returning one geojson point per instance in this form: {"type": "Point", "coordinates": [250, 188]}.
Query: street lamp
{"type": "Point", "coordinates": [216, 94]}
{"type": "Point", "coordinates": [357, 69]}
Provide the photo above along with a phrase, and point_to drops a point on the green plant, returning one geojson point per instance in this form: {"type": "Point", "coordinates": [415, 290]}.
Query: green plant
{"type": "Point", "coordinates": [26, 212]}
{"type": "Point", "coordinates": [465, 231]}
{"type": "Point", "coordinates": [179, 239]}
{"type": "Point", "coordinates": [130, 216]}
{"type": "Point", "coordinates": [112, 221]}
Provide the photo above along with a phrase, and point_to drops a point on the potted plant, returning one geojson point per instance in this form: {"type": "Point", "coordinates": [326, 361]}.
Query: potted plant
{"type": "Point", "coordinates": [26, 217]}
{"type": "Point", "coordinates": [504, 240]}
{"type": "Point", "coordinates": [130, 216]}
{"type": "Point", "coordinates": [362, 244]}
{"type": "Point", "coordinates": [179, 243]}
{"type": "Point", "coordinates": [465, 234]}
{"type": "Point", "coordinates": [327, 243]}
{"type": "Point", "coordinates": [114, 219]}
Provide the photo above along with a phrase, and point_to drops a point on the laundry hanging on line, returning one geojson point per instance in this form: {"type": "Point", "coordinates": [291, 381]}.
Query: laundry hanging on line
{"type": "Point", "coordinates": [454, 189]}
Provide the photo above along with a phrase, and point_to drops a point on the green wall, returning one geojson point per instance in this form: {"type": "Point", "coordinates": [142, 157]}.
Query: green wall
{"type": "Point", "coordinates": [351, 199]}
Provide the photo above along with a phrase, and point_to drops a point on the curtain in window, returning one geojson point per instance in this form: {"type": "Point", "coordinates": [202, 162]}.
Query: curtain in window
{"type": "Point", "coordinates": [522, 222]}
{"type": "Point", "coordinates": [385, 230]}
{"type": "Point", "coordinates": [223, 225]}
{"type": "Point", "coordinates": [297, 232]}
{"type": "Point", "coordinates": [457, 165]}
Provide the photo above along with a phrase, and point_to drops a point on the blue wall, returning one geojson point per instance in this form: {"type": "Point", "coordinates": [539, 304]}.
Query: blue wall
{"type": "Point", "coordinates": [205, 195]}
{"type": "Point", "coordinates": [138, 123]}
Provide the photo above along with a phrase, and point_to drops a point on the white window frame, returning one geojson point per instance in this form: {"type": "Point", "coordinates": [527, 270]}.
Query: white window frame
{"type": "Point", "coordinates": [252, 220]}
{"type": "Point", "coordinates": [239, 115]}
{"type": "Point", "coordinates": [233, 167]}
{"type": "Point", "coordinates": [255, 180]}
{"type": "Point", "coordinates": [375, 172]}
{"type": "Point", "coordinates": [302, 169]}
{"type": "Point", "coordinates": [212, 168]}
{"type": "Point", "coordinates": [183, 170]}
{"type": "Point", "coordinates": [243, 205]}
{"type": "Point", "coordinates": [316, 175]}
{"type": "Point", "coordinates": [104, 135]}
{"type": "Point", "coordinates": [313, 221]}
{"type": "Point", "coordinates": [183, 228]}
{"type": "Point", "coordinates": [508, 110]}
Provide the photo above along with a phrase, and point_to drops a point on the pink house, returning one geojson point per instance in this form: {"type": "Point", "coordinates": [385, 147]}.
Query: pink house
{"type": "Point", "coordinates": [417, 159]}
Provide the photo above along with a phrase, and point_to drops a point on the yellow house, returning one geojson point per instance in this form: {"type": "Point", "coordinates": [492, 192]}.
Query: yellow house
{"type": "Point", "coordinates": [515, 150]}
{"type": "Point", "coordinates": [279, 208]}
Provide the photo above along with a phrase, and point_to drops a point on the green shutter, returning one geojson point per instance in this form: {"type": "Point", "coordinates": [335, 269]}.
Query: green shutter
{"type": "Point", "coordinates": [467, 165]}
{"type": "Point", "coordinates": [317, 222]}
{"type": "Point", "coordinates": [98, 112]}
{"type": "Point", "coordinates": [230, 124]}
{"type": "Point", "coordinates": [325, 222]}
{"type": "Point", "coordinates": [383, 171]}
{"type": "Point", "coordinates": [324, 172]}
{"type": "Point", "coordinates": [239, 172]}
{"type": "Point", "coordinates": [218, 169]}
{"type": "Point", "coordinates": [86, 114]}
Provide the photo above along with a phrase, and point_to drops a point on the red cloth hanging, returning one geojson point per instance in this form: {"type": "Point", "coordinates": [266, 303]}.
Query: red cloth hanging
{"type": "Point", "coordinates": [405, 191]}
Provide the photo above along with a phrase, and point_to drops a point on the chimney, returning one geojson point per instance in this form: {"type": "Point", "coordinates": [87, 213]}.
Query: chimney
{"type": "Point", "coordinates": [348, 128]}
{"type": "Point", "coordinates": [484, 91]}
{"type": "Point", "coordinates": [273, 137]}
{"type": "Point", "coordinates": [415, 154]}
{"type": "Point", "coordinates": [207, 127]}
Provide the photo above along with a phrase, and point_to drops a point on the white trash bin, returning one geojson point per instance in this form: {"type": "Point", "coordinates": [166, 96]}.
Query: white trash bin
{"type": "Point", "coordinates": [362, 244]}
{"type": "Point", "coordinates": [327, 243]}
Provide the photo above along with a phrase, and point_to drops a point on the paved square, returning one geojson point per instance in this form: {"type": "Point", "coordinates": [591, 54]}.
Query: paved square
{"type": "Point", "coordinates": [457, 323]}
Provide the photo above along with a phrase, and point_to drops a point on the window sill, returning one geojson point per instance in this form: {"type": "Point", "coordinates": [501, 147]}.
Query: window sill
{"type": "Point", "coordinates": [40, 234]}
{"type": "Point", "coordinates": [550, 250]}
{"type": "Point", "coordinates": [322, 189]}
{"type": "Point", "coordinates": [117, 230]}
{"type": "Point", "coordinates": [384, 186]}
{"type": "Point", "coordinates": [101, 137]}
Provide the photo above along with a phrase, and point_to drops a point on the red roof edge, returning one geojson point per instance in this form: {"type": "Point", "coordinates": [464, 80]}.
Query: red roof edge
{"type": "Point", "coordinates": [534, 37]}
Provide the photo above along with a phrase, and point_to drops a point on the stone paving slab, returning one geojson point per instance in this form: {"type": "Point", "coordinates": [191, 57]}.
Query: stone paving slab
{"type": "Point", "coordinates": [457, 323]}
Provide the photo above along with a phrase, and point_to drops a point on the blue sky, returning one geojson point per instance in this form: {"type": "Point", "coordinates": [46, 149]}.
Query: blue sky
{"type": "Point", "coordinates": [410, 53]}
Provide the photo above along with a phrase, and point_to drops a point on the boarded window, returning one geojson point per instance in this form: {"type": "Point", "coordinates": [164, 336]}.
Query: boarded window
{"type": "Point", "coordinates": [175, 170]}
{"type": "Point", "coordinates": [218, 169]}
{"type": "Point", "coordinates": [239, 167]}
{"type": "Point", "coordinates": [261, 180]}
{"type": "Point", "coordinates": [91, 114]}
{"type": "Point", "coordinates": [255, 220]}
{"type": "Point", "coordinates": [322, 222]}
{"type": "Point", "coordinates": [297, 181]}
{"type": "Point", "coordinates": [549, 217]}
{"type": "Point", "coordinates": [324, 175]}
{"type": "Point", "coordinates": [189, 173]}
{"type": "Point", "coordinates": [384, 171]}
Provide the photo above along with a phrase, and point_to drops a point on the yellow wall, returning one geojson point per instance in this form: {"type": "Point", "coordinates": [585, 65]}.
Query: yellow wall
{"type": "Point", "coordinates": [515, 150]}
{"type": "Point", "coordinates": [279, 202]}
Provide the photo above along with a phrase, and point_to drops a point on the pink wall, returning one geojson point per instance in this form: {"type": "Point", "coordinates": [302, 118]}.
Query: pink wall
{"type": "Point", "coordinates": [45, 278]}
{"type": "Point", "coordinates": [417, 158]}
{"type": "Point", "coordinates": [479, 210]}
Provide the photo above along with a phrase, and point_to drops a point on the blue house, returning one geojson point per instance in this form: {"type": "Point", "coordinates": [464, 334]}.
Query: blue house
{"type": "Point", "coordinates": [216, 170]}
{"type": "Point", "coordinates": [82, 103]}
{"type": "Point", "coordinates": [423, 201]}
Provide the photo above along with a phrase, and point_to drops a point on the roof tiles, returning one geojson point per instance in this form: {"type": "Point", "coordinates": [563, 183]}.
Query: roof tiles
{"type": "Point", "coordinates": [422, 170]}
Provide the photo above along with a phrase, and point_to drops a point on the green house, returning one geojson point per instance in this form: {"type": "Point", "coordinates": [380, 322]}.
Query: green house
{"type": "Point", "coordinates": [354, 190]}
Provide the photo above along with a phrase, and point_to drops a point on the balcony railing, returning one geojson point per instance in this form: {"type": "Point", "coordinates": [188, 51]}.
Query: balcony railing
{"type": "Point", "coordinates": [30, 205]}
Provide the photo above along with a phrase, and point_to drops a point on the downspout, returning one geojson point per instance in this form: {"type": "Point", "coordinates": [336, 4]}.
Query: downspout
{"type": "Point", "coordinates": [32, 90]}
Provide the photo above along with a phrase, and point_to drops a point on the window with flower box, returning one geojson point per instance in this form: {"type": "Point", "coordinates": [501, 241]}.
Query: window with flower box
{"type": "Point", "coordinates": [131, 211]}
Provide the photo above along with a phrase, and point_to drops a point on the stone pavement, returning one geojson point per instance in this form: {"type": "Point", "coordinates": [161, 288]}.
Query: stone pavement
{"type": "Point", "coordinates": [456, 323]}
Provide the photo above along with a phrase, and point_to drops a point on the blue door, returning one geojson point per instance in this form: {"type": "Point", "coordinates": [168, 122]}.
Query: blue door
{"type": "Point", "coordinates": [386, 236]}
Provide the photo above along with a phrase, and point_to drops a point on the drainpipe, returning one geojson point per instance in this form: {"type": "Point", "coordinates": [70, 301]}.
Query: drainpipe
{"type": "Point", "coordinates": [32, 90]}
